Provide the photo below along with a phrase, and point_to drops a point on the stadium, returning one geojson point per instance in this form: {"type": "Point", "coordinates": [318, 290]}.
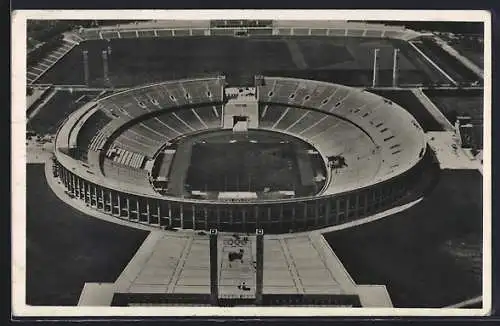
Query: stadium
{"type": "Point", "coordinates": [353, 138]}
{"type": "Point", "coordinates": [253, 154]}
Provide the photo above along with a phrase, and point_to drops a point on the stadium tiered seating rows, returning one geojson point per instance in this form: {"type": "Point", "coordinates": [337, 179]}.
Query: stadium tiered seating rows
{"type": "Point", "coordinates": [126, 157]}
{"type": "Point", "coordinates": [144, 138]}
{"type": "Point", "coordinates": [95, 123]}
{"type": "Point", "coordinates": [133, 104]}
{"type": "Point", "coordinates": [331, 136]}
{"type": "Point", "coordinates": [125, 174]}
{"type": "Point", "coordinates": [337, 120]}
{"type": "Point", "coordinates": [148, 136]}
{"type": "Point", "coordinates": [366, 110]}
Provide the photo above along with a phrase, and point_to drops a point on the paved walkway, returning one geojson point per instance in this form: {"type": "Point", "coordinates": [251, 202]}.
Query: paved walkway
{"type": "Point", "coordinates": [433, 109]}
{"type": "Point", "coordinates": [37, 109]}
{"type": "Point", "coordinates": [37, 93]}
{"type": "Point", "coordinates": [179, 263]}
{"type": "Point", "coordinates": [449, 153]}
{"type": "Point", "coordinates": [37, 152]}
{"type": "Point", "coordinates": [97, 294]}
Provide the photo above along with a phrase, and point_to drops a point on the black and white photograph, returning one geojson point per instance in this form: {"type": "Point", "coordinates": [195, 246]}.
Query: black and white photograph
{"type": "Point", "coordinates": [261, 163]}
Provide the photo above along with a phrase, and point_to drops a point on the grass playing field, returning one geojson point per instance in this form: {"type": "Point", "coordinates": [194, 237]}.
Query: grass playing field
{"type": "Point", "coordinates": [243, 166]}
{"type": "Point", "coordinates": [336, 59]}
{"type": "Point", "coordinates": [259, 162]}
{"type": "Point", "coordinates": [451, 65]}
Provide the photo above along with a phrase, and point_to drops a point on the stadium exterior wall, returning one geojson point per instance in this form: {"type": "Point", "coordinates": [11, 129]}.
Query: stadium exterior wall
{"type": "Point", "coordinates": [279, 217]}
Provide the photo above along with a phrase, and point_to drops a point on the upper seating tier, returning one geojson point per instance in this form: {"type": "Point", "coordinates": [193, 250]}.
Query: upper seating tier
{"type": "Point", "coordinates": [397, 136]}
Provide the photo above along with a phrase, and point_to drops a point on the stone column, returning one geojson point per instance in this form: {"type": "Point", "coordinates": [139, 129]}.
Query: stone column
{"type": "Point", "coordinates": [259, 277]}
{"type": "Point", "coordinates": [169, 214]}
{"type": "Point", "coordinates": [214, 268]}
{"type": "Point", "coordinates": [119, 204]}
{"type": "Point", "coordinates": [375, 67]}
{"type": "Point", "coordinates": [128, 207]}
{"type": "Point", "coordinates": [193, 208]}
{"type": "Point", "coordinates": [395, 59]}
{"type": "Point", "coordinates": [86, 71]}
{"type": "Point", "coordinates": [148, 212]}
{"type": "Point", "coordinates": [182, 215]}
{"type": "Point", "coordinates": [105, 67]}
{"type": "Point", "coordinates": [103, 201]}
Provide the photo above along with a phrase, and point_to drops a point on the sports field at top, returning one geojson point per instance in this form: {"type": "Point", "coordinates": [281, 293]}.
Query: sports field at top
{"type": "Point", "coordinates": [341, 60]}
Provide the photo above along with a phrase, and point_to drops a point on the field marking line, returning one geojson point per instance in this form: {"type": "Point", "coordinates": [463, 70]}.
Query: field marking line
{"type": "Point", "coordinates": [296, 53]}
{"type": "Point", "coordinates": [433, 63]}
{"type": "Point", "coordinates": [180, 265]}
{"type": "Point", "coordinates": [291, 266]}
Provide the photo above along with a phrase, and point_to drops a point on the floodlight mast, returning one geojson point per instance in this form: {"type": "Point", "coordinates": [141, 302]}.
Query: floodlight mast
{"type": "Point", "coordinates": [395, 62]}
{"type": "Point", "coordinates": [375, 68]}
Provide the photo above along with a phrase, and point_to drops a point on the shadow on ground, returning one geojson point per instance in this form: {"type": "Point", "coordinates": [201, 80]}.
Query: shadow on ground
{"type": "Point", "coordinates": [429, 255]}
{"type": "Point", "coordinates": [66, 248]}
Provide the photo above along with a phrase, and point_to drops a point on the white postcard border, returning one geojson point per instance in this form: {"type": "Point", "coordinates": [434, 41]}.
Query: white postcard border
{"type": "Point", "coordinates": [18, 159]}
